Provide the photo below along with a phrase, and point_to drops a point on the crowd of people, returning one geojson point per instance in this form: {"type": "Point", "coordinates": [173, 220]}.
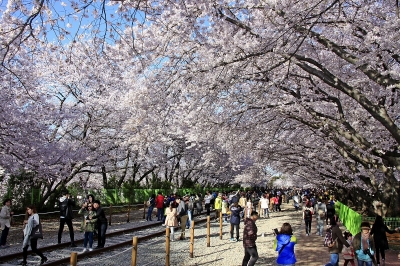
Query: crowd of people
{"type": "Point", "coordinates": [236, 207]}
{"type": "Point", "coordinates": [366, 248]}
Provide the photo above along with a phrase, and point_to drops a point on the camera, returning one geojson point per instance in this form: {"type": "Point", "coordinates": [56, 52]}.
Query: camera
{"type": "Point", "coordinates": [367, 251]}
{"type": "Point", "coordinates": [87, 217]}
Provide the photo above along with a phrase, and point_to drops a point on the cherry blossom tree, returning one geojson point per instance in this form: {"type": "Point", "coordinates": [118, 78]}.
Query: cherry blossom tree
{"type": "Point", "coordinates": [310, 88]}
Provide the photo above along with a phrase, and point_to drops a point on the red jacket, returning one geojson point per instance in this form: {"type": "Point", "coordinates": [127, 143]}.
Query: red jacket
{"type": "Point", "coordinates": [160, 201]}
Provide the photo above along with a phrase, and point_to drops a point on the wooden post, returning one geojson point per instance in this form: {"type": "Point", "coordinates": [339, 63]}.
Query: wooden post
{"type": "Point", "coordinates": [129, 211]}
{"type": "Point", "coordinates": [167, 247]}
{"type": "Point", "coordinates": [191, 240]}
{"type": "Point", "coordinates": [208, 230]}
{"type": "Point", "coordinates": [109, 221]}
{"type": "Point", "coordinates": [134, 250]}
{"type": "Point", "coordinates": [220, 225]}
{"type": "Point", "coordinates": [73, 259]}
{"type": "Point", "coordinates": [144, 210]}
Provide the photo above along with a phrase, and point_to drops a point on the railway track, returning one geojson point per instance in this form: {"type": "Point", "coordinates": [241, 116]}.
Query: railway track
{"type": "Point", "coordinates": [59, 254]}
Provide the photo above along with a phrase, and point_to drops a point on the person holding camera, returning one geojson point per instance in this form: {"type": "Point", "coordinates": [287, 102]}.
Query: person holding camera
{"type": "Point", "coordinates": [66, 205]}
{"type": "Point", "coordinates": [88, 224]}
{"type": "Point", "coordinates": [364, 246]}
{"type": "Point", "coordinates": [5, 222]}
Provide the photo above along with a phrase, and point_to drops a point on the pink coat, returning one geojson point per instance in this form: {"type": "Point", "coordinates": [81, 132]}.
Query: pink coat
{"type": "Point", "coordinates": [170, 219]}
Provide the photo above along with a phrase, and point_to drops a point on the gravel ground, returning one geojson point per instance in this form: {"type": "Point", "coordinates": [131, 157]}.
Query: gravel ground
{"type": "Point", "coordinates": [50, 230]}
{"type": "Point", "coordinates": [152, 252]}
{"type": "Point", "coordinates": [221, 252]}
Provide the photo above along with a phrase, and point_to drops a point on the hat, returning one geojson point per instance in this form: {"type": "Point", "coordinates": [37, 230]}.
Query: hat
{"type": "Point", "coordinates": [365, 225]}
{"type": "Point", "coordinates": [64, 192]}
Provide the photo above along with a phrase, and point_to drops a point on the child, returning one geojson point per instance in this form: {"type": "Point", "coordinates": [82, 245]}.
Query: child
{"type": "Point", "coordinates": [348, 252]}
{"type": "Point", "coordinates": [88, 225]}
{"type": "Point", "coordinates": [225, 210]}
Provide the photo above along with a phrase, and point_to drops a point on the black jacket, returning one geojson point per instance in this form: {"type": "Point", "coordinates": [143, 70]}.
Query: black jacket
{"type": "Point", "coordinates": [100, 216]}
{"type": "Point", "coordinates": [66, 205]}
{"type": "Point", "coordinates": [379, 230]}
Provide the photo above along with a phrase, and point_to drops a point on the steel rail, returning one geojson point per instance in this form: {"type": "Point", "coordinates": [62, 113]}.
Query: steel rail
{"type": "Point", "coordinates": [12, 256]}
{"type": "Point", "coordinates": [66, 260]}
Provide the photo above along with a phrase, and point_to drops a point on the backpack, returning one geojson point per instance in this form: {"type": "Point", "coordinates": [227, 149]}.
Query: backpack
{"type": "Point", "coordinates": [183, 211]}
{"type": "Point", "coordinates": [307, 214]}
{"type": "Point", "coordinates": [328, 237]}
{"type": "Point", "coordinates": [330, 209]}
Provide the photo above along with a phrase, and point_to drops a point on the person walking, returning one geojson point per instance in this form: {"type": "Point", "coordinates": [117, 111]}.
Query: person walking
{"type": "Point", "coordinates": [235, 220]}
{"type": "Point", "coordinates": [320, 212]}
{"type": "Point", "coordinates": [379, 230]}
{"type": "Point", "coordinates": [88, 225]}
{"type": "Point", "coordinates": [101, 224]}
{"type": "Point", "coordinates": [249, 240]}
{"type": "Point", "coordinates": [348, 253]}
{"type": "Point", "coordinates": [307, 217]}
{"type": "Point", "coordinates": [5, 222]}
{"type": "Point", "coordinates": [284, 243]}
{"type": "Point", "coordinates": [330, 210]}
{"type": "Point", "coordinates": [364, 245]}
{"type": "Point", "coordinates": [66, 216]}
{"type": "Point", "coordinates": [338, 241]}
{"type": "Point", "coordinates": [32, 222]}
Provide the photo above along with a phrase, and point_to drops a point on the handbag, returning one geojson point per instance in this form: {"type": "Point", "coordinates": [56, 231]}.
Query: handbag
{"type": "Point", "coordinates": [37, 231]}
{"type": "Point", "coordinates": [333, 244]}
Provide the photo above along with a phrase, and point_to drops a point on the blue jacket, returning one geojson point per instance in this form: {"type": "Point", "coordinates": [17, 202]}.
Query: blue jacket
{"type": "Point", "coordinates": [286, 256]}
{"type": "Point", "coordinates": [235, 214]}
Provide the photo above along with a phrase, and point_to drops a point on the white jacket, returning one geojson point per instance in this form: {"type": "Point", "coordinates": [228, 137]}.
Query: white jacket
{"type": "Point", "coordinates": [33, 220]}
{"type": "Point", "coordinates": [5, 217]}
{"type": "Point", "coordinates": [264, 203]}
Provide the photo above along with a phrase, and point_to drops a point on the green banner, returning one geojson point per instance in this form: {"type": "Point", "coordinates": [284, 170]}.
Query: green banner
{"type": "Point", "coordinates": [351, 219]}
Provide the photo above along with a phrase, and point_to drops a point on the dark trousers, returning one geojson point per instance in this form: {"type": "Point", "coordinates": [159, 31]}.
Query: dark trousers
{"type": "Point", "coordinates": [379, 251]}
{"type": "Point", "coordinates": [308, 226]}
{"type": "Point", "coordinates": [160, 214]}
{"type": "Point", "coordinates": [88, 238]}
{"type": "Point", "coordinates": [101, 237]}
{"type": "Point", "coordinates": [237, 230]}
{"type": "Point", "coordinates": [64, 221]}
{"type": "Point", "coordinates": [149, 213]}
{"type": "Point", "coordinates": [250, 256]}
{"type": "Point", "coordinates": [34, 250]}
{"type": "Point", "coordinates": [4, 235]}
{"type": "Point", "coordinates": [208, 208]}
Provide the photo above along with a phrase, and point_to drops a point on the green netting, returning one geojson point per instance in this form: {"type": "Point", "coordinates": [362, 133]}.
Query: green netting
{"type": "Point", "coordinates": [129, 195]}
{"type": "Point", "coordinates": [350, 219]}
{"type": "Point", "coordinates": [112, 196]}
